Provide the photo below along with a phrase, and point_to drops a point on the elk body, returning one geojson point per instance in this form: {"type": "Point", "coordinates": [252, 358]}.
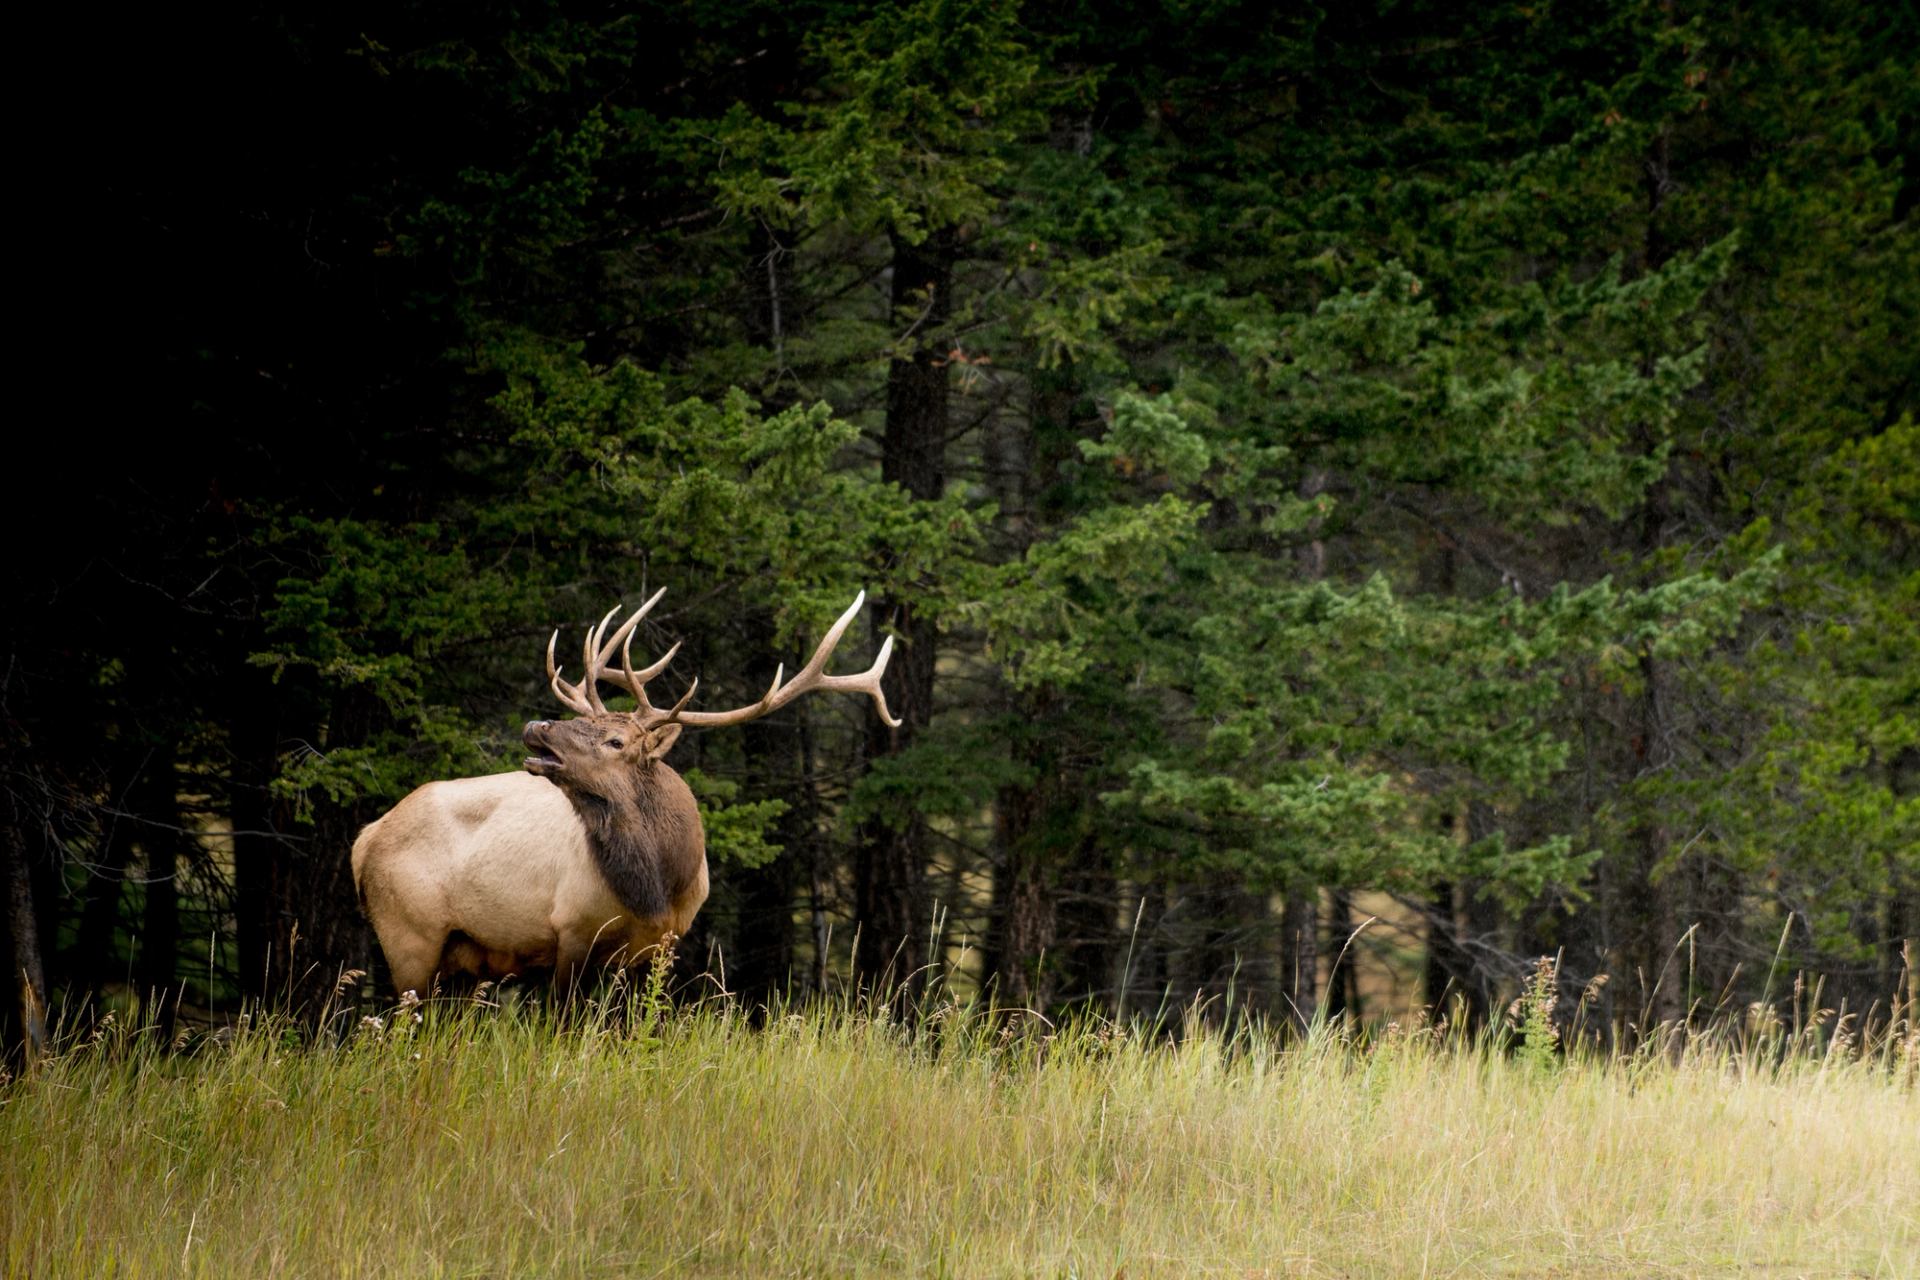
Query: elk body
{"type": "Point", "coordinates": [591, 854]}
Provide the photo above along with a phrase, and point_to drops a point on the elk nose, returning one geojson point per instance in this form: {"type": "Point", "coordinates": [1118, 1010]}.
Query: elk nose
{"type": "Point", "coordinates": [535, 726]}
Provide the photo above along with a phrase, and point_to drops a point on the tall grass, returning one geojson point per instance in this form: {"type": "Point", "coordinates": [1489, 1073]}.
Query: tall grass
{"type": "Point", "coordinates": [629, 1140]}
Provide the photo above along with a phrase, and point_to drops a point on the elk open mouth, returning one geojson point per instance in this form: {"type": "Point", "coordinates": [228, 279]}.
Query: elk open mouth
{"type": "Point", "coordinates": [543, 761]}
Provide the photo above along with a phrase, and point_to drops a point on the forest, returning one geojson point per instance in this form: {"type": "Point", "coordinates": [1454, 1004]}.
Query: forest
{"type": "Point", "coordinates": [1363, 496]}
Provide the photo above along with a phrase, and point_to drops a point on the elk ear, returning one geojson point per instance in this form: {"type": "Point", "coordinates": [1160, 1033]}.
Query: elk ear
{"type": "Point", "coordinates": [663, 740]}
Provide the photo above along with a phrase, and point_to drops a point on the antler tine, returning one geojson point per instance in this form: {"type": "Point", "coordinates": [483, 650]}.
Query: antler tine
{"type": "Point", "coordinates": [681, 705]}
{"type": "Point", "coordinates": [818, 662]}
{"type": "Point", "coordinates": [622, 639]}
{"type": "Point", "coordinates": [569, 695]}
{"type": "Point", "coordinates": [637, 681]}
{"type": "Point", "coordinates": [868, 682]}
{"type": "Point", "coordinates": [624, 636]}
{"type": "Point", "coordinates": [808, 678]}
{"type": "Point", "coordinates": [596, 659]}
{"type": "Point", "coordinates": [596, 651]}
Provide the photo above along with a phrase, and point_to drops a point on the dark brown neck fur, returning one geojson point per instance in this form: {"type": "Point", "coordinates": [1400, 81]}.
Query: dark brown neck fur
{"type": "Point", "coordinates": [634, 842]}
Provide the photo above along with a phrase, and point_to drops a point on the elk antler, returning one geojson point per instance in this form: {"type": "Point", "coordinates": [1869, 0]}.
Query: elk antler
{"type": "Point", "coordinates": [583, 699]}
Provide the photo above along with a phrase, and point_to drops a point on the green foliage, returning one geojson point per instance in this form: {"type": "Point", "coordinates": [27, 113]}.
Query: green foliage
{"type": "Point", "coordinates": [737, 830]}
{"type": "Point", "coordinates": [1482, 337]}
{"type": "Point", "coordinates": [1431, 450]}
{"type": "Point", "coordinates": [1539, 1036]}
{"type": "Point", "coordinates": [919, 97]}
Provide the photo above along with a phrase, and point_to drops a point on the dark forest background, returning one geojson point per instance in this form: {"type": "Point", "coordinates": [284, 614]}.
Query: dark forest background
{"type": "Point", "coordinates": [1449, 462]}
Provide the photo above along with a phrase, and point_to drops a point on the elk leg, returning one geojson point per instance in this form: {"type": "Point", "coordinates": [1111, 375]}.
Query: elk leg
{"type": "Point", "coordinates": [572, 952]}
{"type": "Point", "coordinates": [413, 960]}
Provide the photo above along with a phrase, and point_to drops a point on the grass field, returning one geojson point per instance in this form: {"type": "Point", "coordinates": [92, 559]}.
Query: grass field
{"type": "Point", "coordinates": [831, 1143]}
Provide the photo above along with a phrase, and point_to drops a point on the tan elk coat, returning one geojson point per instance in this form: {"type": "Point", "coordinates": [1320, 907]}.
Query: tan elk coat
{"type": "Point", "coordinates": [593, 855]}
{"type": "Point", "coordinates": [511, 882]}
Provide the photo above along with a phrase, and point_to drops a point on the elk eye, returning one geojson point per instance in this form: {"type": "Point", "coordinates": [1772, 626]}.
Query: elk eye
{"type": "Point", "coordinates": [615, 743]}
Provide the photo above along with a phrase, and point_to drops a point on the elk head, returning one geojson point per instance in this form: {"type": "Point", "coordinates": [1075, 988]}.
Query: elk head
{"type": "Point", "coordinates": [607, 755]}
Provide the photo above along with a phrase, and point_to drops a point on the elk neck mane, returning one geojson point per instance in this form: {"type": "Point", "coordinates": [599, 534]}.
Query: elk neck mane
{"type": "Point", "coordinates": [624, 833]}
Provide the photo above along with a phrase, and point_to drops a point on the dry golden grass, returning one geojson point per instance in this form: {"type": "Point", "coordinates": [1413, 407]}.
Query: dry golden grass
{"type": "Point", "coordinates": [834, 1143]}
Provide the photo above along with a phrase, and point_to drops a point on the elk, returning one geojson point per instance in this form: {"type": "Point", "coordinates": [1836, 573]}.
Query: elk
{"type": "Point", "coordinates": [591, 854]}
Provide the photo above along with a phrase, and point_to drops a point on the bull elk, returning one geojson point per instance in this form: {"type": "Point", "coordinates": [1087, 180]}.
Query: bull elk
{"type": "Point", "coordinates": [591, 854]}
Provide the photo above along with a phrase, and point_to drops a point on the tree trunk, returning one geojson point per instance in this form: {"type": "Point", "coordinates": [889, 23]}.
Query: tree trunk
{"type": "Point", "coordinates": [1144, 974]}
{"type": "Point", "coordinates": [94, 946]}
{"type": "Point", "coordinates": [1444, 969]}
{"type": "Point", "coordinates": [1023, 900]}
{"type": "Point", "coordinates": [260, 852]}
{"type": "Point", "coordinates": [1462, 931]}
{"type": "Point", "coordinates": [767, 279]}
{"type": "Point", "coordinates": [1089, 935]}
{"type": "Point", "coordinates": [1656, 949]}
{"type": "Point", "coordinates": [1300, 954]}
{"type": "Point", "coordinates": [27, 974]}
{"type": "Point", "coordinates": [1036, 823]}
{"type": "Point", "coordinates": [1300, 921]}
{"type": "Point", "coordinates": [1444, 974]}
{"type": "Point", "coordinates": [156, 801]}
{"type": "Point", "coordinates": [1652, 888]}
{"type": "Point", "coordinates": [890, 863]}
{"type": "Point", "coordinates": [1655, 930]}
{"type": "Point", "coordinates": [760, 965]}
{"type": "Point", "coordinates": [1343, 982]}
{"type": "Point", "coordinates": [1480, 935]}
{"type": "Point", "coordinates": [1900, 960]}
{"type": "Point", "coordinates": [317, 931]}
{"type": "Point", "coordinates": [1230, 964]}
{"type": "Point", "coordinates": [820, 871]}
